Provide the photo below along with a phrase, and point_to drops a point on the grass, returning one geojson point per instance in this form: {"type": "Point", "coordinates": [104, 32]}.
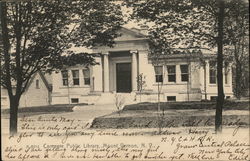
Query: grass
{"type": "Point", "coordinates": [176, 114]}
{"type": "Point", "coordinates": [28, 111]}
{"type": "Point", "coordinates": [228, 105]}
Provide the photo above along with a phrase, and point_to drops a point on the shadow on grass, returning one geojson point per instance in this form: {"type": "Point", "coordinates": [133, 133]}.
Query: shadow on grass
{"type": "Point", "coordinates": [37, 110]}
{"type": "Point", "coordinates": [228, 105]}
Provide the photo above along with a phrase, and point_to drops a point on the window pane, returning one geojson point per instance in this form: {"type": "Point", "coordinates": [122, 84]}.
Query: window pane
{"type": "Point", "coordinates": [158, 70]}
{"type": "Point", "coordinates": [184, 77]}
{"type": "Point", "coordinates": [86, 73]}
{"type": "Point", "coordinates": [74, 100]}
{"type": "Point", "coordinates": [171, 69]}
{"type": "Point", "coordinates": [184, 68]}
{"type": "Point", "coordinates": [171, 98]}
{"type": "Point", "coordinates": [65, 82]}
{"type": "Point", "coordinates": [76, 81]}
{"type": "Point", "coordinates": [226, 73]}
{"type": "Point", "coordinates": [226, 78]}
{"type": "Point", "coordinates": [171, 78]}
{"type": "Point", "coordinates": [212, 76]}
{"type": "Point", "coordinates": [212, 80]}
{"type": "Point", "coordinates": [65, 77]}
{"type": "Point", "coordinates": [37, 83]}
{"type": "Point", "coordinates": [158, 78]}
{"type": "Point", "coordinates": [212, 72]}
{"type": "Point", "coordinates": [65, 74]}
{"type": "Point", "coordinates": [75, 73]}
{"type": "Point", "coordinates": [87, 81]}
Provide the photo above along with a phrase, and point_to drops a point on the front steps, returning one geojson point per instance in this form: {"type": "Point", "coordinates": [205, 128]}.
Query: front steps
{"type": "Point", "coordinates": [111, 98]}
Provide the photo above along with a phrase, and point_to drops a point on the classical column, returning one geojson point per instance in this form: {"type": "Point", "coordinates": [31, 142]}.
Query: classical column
{"type": "Point", "coordinates": [134, 69]}
{"type": "Point", "coordinates": [106, 71]}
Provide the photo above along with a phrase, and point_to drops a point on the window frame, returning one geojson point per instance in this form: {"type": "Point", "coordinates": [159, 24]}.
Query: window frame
{"type": "Point", "coordinates": [212, 73]}
{"type": "Point", "coordinates": [74, 100]}
{"type": "Point", "coordinates": [86, 79]}
{"type": "Point", "coordinates": [37, 84]}
{"type": "Point", "coordinates": [183, 74]}
{"type": "Point", "coordinates": [65, 79]}
{"type": "Point", "coordinates": [171, 98]}
{"type": "Point", "coordinates": [158, 77]}
{"type": "Point", "coordinates": [226, 73]}
{"type": "Point", "coordinates": [171, 74]}
{"type": "Point", "coordinates": [75, 78]}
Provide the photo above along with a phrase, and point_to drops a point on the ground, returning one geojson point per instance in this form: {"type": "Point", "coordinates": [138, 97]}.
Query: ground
{"type": "Point", "coordinates": [80, 112]}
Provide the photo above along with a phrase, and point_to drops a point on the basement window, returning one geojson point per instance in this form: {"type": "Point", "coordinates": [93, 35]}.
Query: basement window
{"type": "Point", "coordinates": [213, 98]}
{"type": "Point", "coordinates": [171, 98]}
{"type": "Point", "coordinates": [74, 100]}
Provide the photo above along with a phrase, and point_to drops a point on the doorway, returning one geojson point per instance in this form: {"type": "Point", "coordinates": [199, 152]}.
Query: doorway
{"type": "Point", "coordinates": [123, 77]}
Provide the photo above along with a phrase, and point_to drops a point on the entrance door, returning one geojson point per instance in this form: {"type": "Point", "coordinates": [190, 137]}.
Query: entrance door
{"type": "Point", "coordinates": [123, 77]}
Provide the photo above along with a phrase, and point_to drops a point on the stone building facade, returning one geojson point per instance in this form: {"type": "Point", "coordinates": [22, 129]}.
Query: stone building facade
{"type": "Point", "coordinates": [178, 77]}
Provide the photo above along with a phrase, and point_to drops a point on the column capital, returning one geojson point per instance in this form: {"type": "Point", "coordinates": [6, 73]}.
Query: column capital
{"type": "Point", "coordinates": [105, 53]}
{"type": "Point", "coordinates": [207, 61]}
{"type": "Point", "coordinates": [133, 51]}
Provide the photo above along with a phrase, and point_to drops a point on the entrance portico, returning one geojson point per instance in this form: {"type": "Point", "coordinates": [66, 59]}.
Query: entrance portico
{"type": "Point", "coordinates": [120, 71]}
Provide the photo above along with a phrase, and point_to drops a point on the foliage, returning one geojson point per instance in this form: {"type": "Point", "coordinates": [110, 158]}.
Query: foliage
{"type": "Point", "coordinates": [41, 35]}
{"type": "Point", "coordinates": [141, 83]}
{"type": "Point", "coordinates": [186, 24]}
{"type": "Point", "coordinates": [191, 24]}
{"type": "Point", "coordinates": [119, 102]}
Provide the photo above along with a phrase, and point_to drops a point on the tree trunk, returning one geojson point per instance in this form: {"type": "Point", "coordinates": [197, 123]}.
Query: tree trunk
{"type": "Point", "coordinates": [220, 98]}
{"type": "Point", "coordinates": [14, 103]}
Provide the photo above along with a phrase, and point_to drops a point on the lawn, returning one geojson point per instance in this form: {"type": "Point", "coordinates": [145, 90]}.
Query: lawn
{"type": "Point", "coordinates": [175, 114]}
{"type": "Point", "coordinates": [228, 105]}
{"type": "Point", "coordinates": [36, 110]}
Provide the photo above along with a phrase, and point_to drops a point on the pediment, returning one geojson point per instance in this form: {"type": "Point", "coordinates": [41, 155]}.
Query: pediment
{"type": "Point", "coordinates": [129, 34]}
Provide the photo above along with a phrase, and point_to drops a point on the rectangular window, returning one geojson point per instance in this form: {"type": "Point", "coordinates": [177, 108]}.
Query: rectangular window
{"type": "Point", "coordinates": [37, 84]}
{"type": "Point", "coordinates": [171, 73]}
{"type": "Point", "coordinates": [171, 98]}
{"type": "Point", "coordinates": [74, 100]}
{"type": "Point", "coordinates": [65, 77]}
{"type": "Point", "coordinates": [226, 73]}
{"type": "Point", "coordinates": [75, 75]}
{"type": "Point", "coordinates": [213, 98]}
{"type": "Point", "coordinates": [158, 74]}
{"type": "Point", "coordinates": [184, 73]}
{"type": "Point", "coordinates": [212, 73]}
{"type": "Point", "coordinates": [86, 76]}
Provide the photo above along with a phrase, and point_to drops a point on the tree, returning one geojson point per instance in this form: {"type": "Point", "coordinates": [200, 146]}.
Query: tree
{"type": "Point", "coordinates": [141, 83]}
{"type": "Point", "coordinates": [39, 35]}
{"type": "Point", "coordinates": [119, 102]}
{"type": "Point", "coordinates": [189, 24]}
{"type": "Point", "coordinates": [238, 45]}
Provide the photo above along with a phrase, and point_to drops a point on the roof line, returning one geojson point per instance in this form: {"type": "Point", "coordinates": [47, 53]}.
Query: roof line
{"type": "Point", "coordinates": [43, 79]}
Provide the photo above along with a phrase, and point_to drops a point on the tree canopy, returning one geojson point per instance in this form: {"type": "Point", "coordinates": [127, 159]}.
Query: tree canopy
{"type": "Point", "coordinates": [188, 23]}
{"type": "Point", "coordinates": [194, 24]}
{"type": "Point", "coordinates": [39, 35]}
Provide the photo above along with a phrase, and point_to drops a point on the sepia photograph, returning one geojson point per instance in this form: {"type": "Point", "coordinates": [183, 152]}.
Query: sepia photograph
{"type": "Point", "coordinates": [125, 80]}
